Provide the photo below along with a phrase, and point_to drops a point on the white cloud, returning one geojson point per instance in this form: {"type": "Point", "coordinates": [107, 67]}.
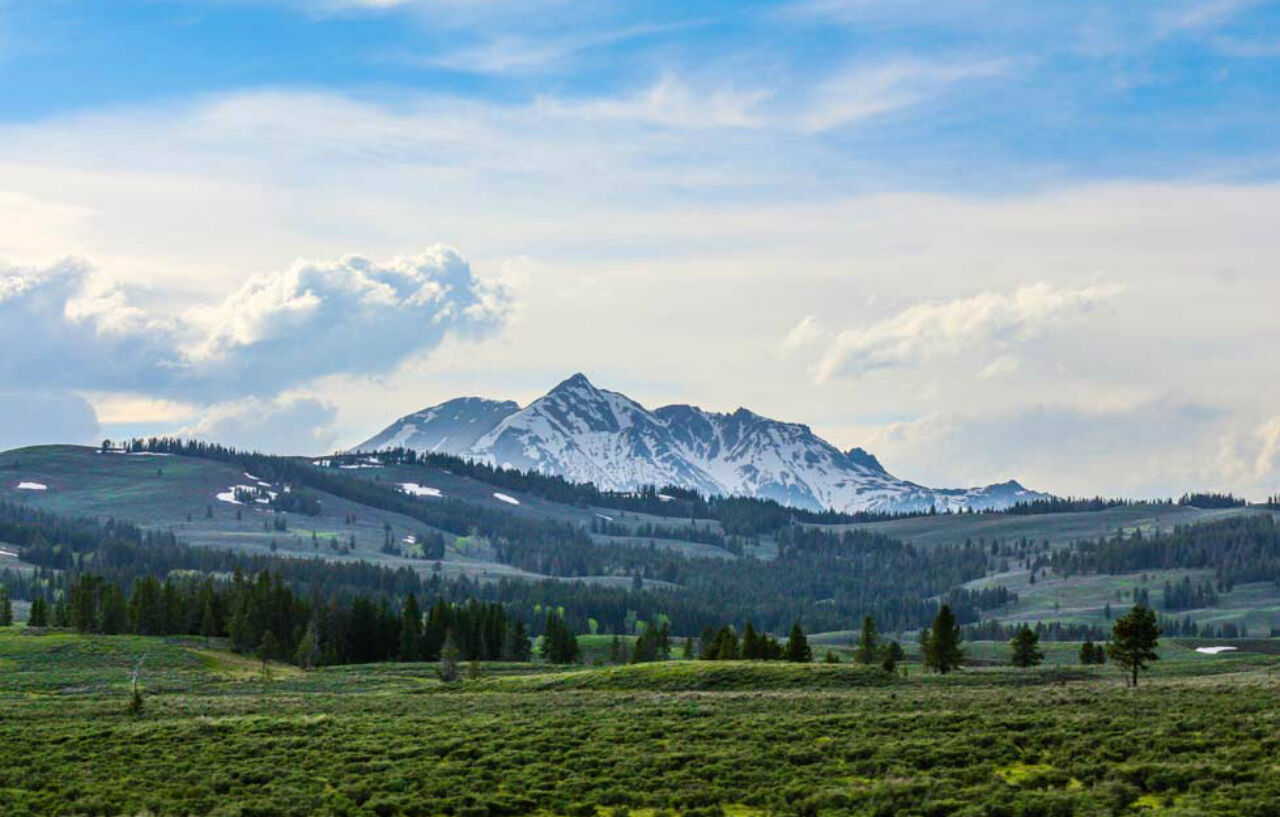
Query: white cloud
{"type": "Point", "coordinates": [805, 334]}
{"type": "Point", "coordinates": [1002, 366]}
{"type": "Point", "coordinates": [947, 327]}
{"type": "Point", "coordinates": [863, 91]}
{"type": "Point", "coordinates": [672, 102]}
{"type": "Point", "coordinates": [1062, 448]}
{"type": "Point", "coordinates": [65, 328]}
{"type": "Point", "coordinates": [295, 425]}
{"type": "Point", "coordinates": [1268, 460]}
{"type": "Point", "coordinates": [506, 54]}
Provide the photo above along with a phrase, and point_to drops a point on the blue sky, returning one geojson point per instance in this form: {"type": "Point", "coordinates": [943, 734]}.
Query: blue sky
{"type": "Point", "coordinates": [1092, 90]}
{"type": "Point", "coordinates": [982, 239]}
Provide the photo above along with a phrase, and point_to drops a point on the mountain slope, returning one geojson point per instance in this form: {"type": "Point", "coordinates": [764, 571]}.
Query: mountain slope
{"type": "Point", "coordinates": [587, 434]}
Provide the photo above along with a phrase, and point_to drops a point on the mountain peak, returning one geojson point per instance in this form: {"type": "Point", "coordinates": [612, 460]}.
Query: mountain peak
{"type": "Point", "coordinates": [587, 434]}
{"type": "Point", "coordinates": [863, 457]}
{"type": "Point", "coordinates": [576, 381]}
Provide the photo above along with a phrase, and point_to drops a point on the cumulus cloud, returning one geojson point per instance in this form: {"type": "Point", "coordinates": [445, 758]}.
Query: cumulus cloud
{"type": "Point", "coordinates": [1268, 459]}
{"type": "Point", "coordinates": [947, 327]}
{"type": "Point", "coordinates": [32, 417]}
{"type": "Point", "coordinates": [1156, 447]}
{"type": "Point", "coordinates": [64, 328]}
{"type": "Point", "coordinates": [301, 425]}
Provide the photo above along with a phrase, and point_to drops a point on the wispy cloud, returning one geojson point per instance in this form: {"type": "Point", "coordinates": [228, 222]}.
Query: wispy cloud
{"type": "Point", "coordinates": [672, 102]}
{"type": "Point", "coordinates": [866, 91]}
{"type": "Point", "coordinates": [946, 327]}
{"type": "Point", "coordinates": [508, 54]}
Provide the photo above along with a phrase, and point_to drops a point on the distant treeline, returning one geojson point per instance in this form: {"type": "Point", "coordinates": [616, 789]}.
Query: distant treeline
{"type": "Point", "coordinates": [1209, 501]}
{"type": "Point", "coordinates": [1238, 550]}
{"type": "Point", "coordinates": [263, 616]}
{"type": "Point", "coordinates": [1076, 505]}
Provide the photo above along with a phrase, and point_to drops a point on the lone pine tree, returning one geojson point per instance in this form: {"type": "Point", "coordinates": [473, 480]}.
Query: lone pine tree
{"type": "Point", "coordinates": [1026, 647]}
{"type": "Point", "coordinates": [1134, 639]}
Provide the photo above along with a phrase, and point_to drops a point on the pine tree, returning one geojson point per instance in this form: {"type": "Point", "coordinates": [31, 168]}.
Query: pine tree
{"type": "Point", "coordinates": [944, 653]}
{"type": "Point", "coordinates": [39, 615]}
{"type": "Point", "coordinates": [6, 608]}
{"type": "Point", "coordinates": [305, 655]}
{"type": "Point", "coordinates": [1091, 653]}
{"type": "Point", "coordinates": [798, 646]}
{"type": "Point", "coordinates": [750, 643]}
{"type": "Point", "coordinates": [687, 652]}
{"type": "Point", "coordinates": [1134, 639]}
{"type": "Point", "coordinates": [268, 648]}
{"type": "Point", "coordinates": [517, 646]}
{"type": "Point", "coordinates": [447, 670]}
{"type": "Point", "coordinates": [868, 642]}
{"type": "Point", "coordinates": [410, 630]}
{"type": "Point", "coordinates": [1026, 648]}
{"type": "Point", "coordinates": [892, 655]}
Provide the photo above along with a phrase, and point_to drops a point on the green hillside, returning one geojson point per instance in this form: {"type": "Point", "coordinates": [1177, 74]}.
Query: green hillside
{"type": "Point", "coordinates": [180, 495]}
{"type": "Point", "coordinates": [1056, 528]}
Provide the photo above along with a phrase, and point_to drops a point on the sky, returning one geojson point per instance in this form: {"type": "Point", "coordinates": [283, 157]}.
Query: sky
{"type": "Point", "coordinates": [983, 240]}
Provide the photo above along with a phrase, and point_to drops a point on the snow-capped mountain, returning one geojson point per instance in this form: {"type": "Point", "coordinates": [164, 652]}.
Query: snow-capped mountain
{"type": "Point", "coordinates": [587, 434]}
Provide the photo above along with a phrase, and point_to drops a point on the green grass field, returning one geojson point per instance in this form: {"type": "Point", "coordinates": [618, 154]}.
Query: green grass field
{"type": "Point", "coordinates": [1201, 736]}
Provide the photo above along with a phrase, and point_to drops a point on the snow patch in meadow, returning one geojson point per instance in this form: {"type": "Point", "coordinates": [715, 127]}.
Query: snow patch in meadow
{"type": "Point", "coordinates": [510, 500]}
{"type": "Point", "coordinates": [1214, 650]}
{"type": "Point", "coordinates": [32, 486]}
{"type": "Point", "coordinates": [606, 518]}
{"type": "Point", "coordinates": [415, 489]}
{"type": "Point", "coordinates": [10, 553]}
{"type": "Point", "coordinates": [229, 495]}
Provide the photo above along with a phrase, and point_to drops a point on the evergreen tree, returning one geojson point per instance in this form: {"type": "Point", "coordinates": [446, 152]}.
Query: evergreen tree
{"type": "Point", "coordinates": [944, 653]}
{"type": "Point", "coordinates": [559, 645]}
{"type": "Point", "coordinates": [306, 654]}
{"type": "Point", "coordinates": [1026, 648]}
{"type": "Point", "coordinates": [798, 646]}
{"type": "Point", "coordinates": [6, 608]}
{"type": "Point", "coordinates": [750, 643]}
{"type": "Point", "coordinates": [1134, 639]}
{"type": "Point", "coordinates": [39, 615]}
{"type": "Point", "coordinates": [447, 670]}
{"type": "Point", "coordinates": [410, 630]}
{"type": "Point", "coordinates": [925, 640]}
{"type": "Point", "coordinates": [517, 646]}
{"type": "Point", "coordinates": [892, 655]}
{"type": "Point", "coordinates": [1091, 653]}
{"type": "Point", "coordinates": [868, 642]}
{"type": "Point", "coordinates": [268, 649]}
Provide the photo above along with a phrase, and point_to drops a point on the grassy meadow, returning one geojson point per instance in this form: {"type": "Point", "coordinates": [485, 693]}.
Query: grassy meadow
{"type": "Point", "coordinates": [1201, 736]}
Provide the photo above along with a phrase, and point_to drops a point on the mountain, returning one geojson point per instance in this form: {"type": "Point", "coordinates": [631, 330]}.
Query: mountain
{"type": "Point", "coordinates": [587, 434]}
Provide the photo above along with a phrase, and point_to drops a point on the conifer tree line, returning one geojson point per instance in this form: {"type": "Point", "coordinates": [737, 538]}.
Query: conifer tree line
{"type": "Point", "coordinates": [261, 614]}
{"type": "Point", "coordinates": [723, 644]}
{"type": "Point", "coordinates": [1238, 550]}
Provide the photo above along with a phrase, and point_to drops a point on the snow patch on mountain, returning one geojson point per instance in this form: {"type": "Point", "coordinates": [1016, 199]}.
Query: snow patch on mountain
{"type": "Point", "coordinates": [587, 434]}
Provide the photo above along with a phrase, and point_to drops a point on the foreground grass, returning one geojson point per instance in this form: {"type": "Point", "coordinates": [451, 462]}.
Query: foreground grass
{"type": "Point", "coordinates": [690, 739]}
